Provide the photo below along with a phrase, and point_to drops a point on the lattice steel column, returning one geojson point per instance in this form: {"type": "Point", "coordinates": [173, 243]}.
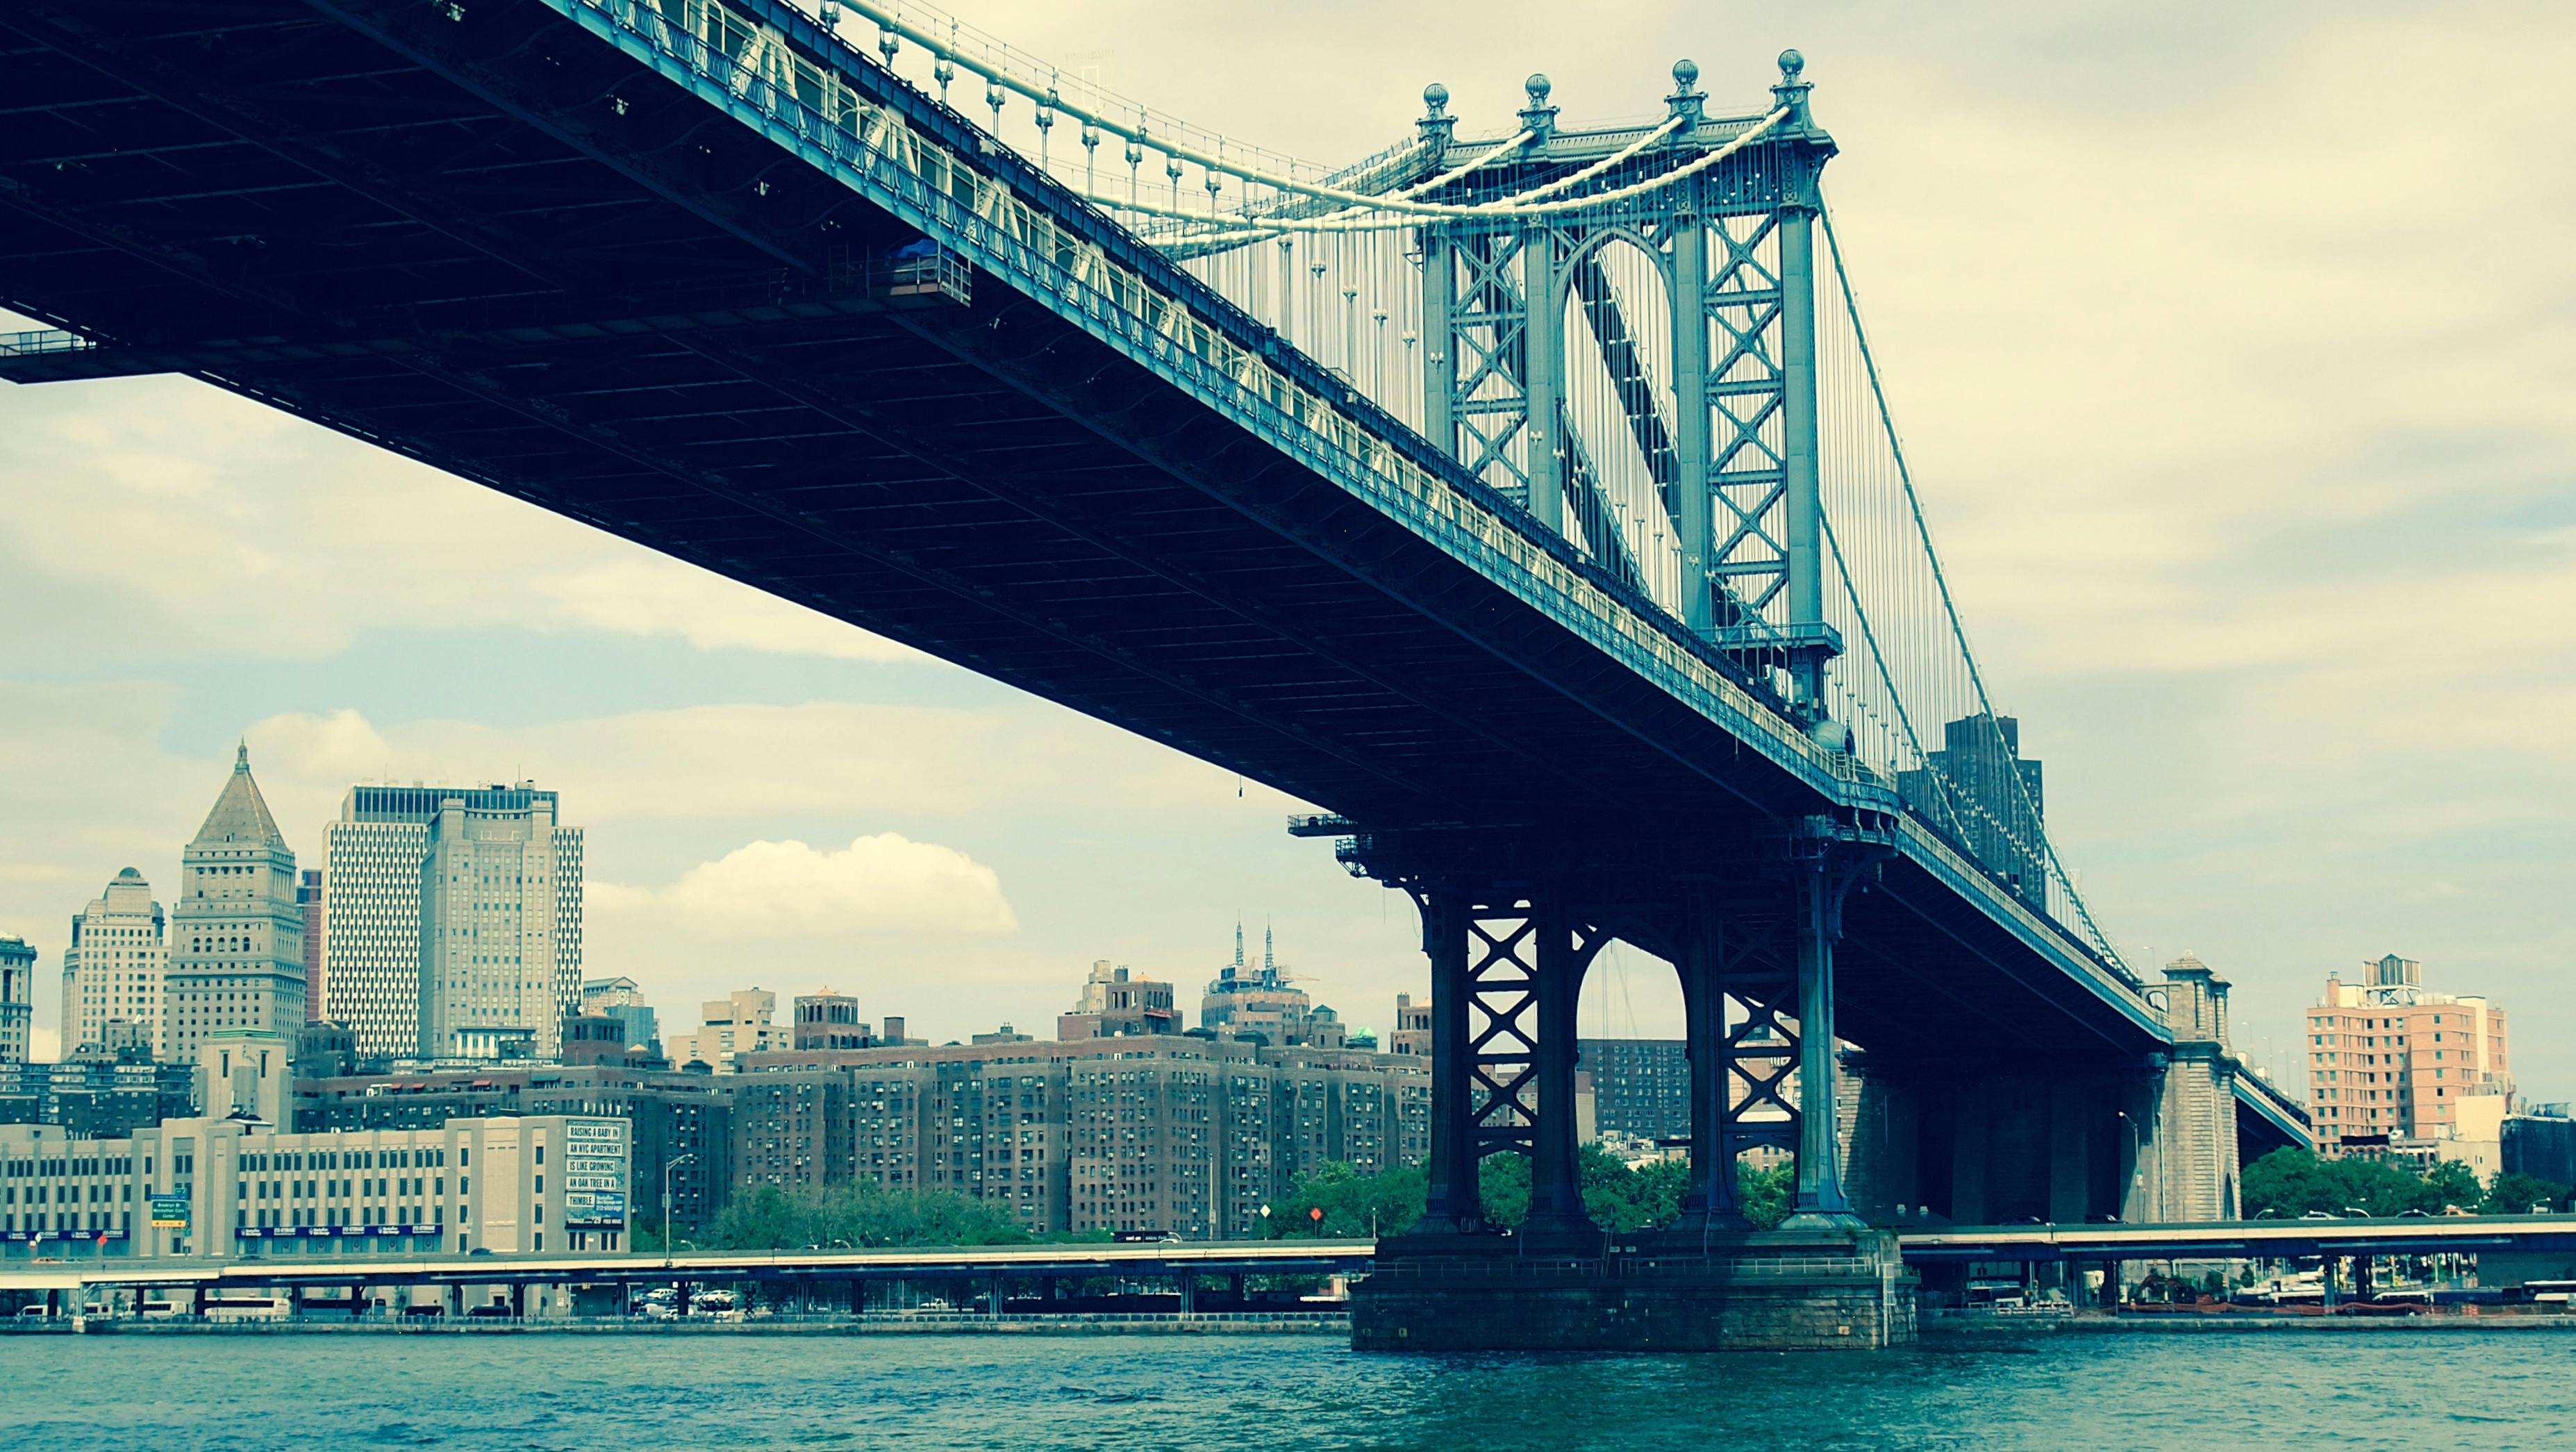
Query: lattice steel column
{"type": "Point", "coordinates": [1455, 1200]}
{"type": "Point", "coordinates": [1502, 1034]}
{"type": "Point", "coordinates": [1506, 977]}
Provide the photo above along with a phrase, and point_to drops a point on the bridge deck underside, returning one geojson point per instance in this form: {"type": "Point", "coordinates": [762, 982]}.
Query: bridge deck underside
{"type": "Point", "coordinates": [565, 294]}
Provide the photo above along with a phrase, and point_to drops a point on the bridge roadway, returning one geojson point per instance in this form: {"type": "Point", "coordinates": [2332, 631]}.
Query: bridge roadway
{"type": "Point", "coordinates": [547, 246]}
{"type": "Point", "coordinates": [1153, 1258]}
{"type": "Point", "coordinates": [2092, 1244]}
{"type": "Point", "coordinates": [2243, 1239]}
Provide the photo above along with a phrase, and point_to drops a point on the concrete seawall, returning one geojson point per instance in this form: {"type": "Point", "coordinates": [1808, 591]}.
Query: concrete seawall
{"type": "Point", "coordinates": [1141, 1325]}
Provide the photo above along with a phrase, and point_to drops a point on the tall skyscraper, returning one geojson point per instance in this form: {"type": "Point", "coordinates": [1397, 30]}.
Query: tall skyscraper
{"type": "Point", "coordinates": [454, 920]}
{"type": "Point", "coordinates": [1981, 787]}
{"type": "Point", "coordinates": [236, 934]}
{"type": "Point", "coordinates": [115, 966]}
{"type": "Point", "coordinates": [17, 997]}
{"type": "Point", "coordinates": [308, 901]}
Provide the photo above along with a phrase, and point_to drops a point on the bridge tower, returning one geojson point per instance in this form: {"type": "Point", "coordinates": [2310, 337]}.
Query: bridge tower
{"type": "Point", "coordinates": [1681, 325]}
{"type": "Point", "coordinates": [1641, 375]}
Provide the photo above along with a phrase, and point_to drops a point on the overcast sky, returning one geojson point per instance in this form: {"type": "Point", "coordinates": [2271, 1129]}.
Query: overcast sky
{"type": "Point", "coordinates": [2235, 350]}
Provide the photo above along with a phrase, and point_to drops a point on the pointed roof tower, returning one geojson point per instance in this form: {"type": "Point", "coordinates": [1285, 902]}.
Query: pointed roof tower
{"type": "Point", "coordinates": [241, 813]}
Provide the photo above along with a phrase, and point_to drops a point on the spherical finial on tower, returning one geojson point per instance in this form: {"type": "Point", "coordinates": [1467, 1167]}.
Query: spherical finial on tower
{"type": "Point", "coordinates": [1686, 99]}
{"type": "Point", "coordinates": [1791, 63]}
{"type": "Point", "coordinates": [1537, 86]}
{"type": "Point", "coordinates": [1436, 124]}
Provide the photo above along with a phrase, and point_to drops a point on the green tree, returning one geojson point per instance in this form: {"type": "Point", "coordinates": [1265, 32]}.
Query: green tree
{"type": "Point", "coordinates": [2290, 1183]}
{"type": "Point", "coordinates": [2516, 1193]}
{"type": "Point", "coordinates": [1353, 1205]}
{"type": "Point", "coordinates": [2287, 1183]}
{"type": "Point", "coordinates": [2452, 1183]}
{"type": "Point", "coordinates": [1766, 1195]}
{"type": "Point", "coordinates": [769, 1217]}
{"type": "Point", "coordinates": [765, 1218]}
{"type": "Point", "coordinates": [1504, 1181]}
{"type": "Point", "coordinates": [1615, 1197]}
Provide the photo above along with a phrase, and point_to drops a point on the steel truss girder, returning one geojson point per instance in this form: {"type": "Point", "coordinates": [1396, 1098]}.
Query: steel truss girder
{"type": "Point", "coordinates": [1486, 343]}
{"type": "Point", "coordinates": [1747, 393]}
{"type": "Point", "coordinates": [1761, 1049]}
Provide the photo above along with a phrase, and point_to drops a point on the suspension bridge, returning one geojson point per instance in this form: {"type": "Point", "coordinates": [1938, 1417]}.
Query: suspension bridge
{"type": "Point", "coordinates": [1524, 496]}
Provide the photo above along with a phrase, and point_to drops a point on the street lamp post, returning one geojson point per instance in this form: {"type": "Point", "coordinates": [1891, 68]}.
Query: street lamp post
{"type": "Point", "coordinates": [675, 1162]}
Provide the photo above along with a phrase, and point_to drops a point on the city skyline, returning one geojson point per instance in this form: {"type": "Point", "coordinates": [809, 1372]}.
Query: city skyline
{"type": "Point", "coordinates": [2251, 756]}
{"type": "Point", "coordinates": [1601, 1017]}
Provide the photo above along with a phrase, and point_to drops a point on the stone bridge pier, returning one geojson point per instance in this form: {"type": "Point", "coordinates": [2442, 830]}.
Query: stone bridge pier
{"type": "Point", "coordinates": [1960, 1143]}
{"type": "Point", "coordinates": [1755, 954]}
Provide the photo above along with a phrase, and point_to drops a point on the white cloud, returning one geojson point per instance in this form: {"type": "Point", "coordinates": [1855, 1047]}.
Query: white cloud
{"type": "Point", "coordinates": [742, 762]}
{"type": "Point", "coordinates": [165, 495]}
{"type": "Point", "coordinates": [878, 885]}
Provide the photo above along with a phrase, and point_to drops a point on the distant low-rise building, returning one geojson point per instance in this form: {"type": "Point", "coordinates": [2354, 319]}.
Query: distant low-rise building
{"type": "Point", "coordinates": [1175, 1133]}
{"type": "Point", "coordinates": [671, 1117]}
{"type": "Point", "coordinates": [98, 1092]}
{"type": "Point", "coordinates": [596, 1038]}
{"type": "Point", "coordinates": [1188, 1134]}
{"type": "Point", "coordinates": [1113, 1004]}
{"type": "Point", "coordinates": [829, 1020]}
{"type": "Point", "coordinates": [1640, 1087]}
{"type": "Point", "coordinates": [17, 997]}
{"type": "Point", "coordinates": [742, 1022]}
{"type": "Point", "coordinates": [621, 999]}
{"type": "Point", "coordinates": [228, 1188]}
{"type": "Point", "coordinates": [1264, 1003]}
{"type": "Point", "coordinates": [1412, 1034]}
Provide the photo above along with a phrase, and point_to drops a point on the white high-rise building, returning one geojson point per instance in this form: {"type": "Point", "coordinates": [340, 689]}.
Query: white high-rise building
{"type": "Point", "coordinates": [114, 968]}
{"type": "Point", "coordinates": [455, 918]}
{"type": "Point", "coordinates": [236, 931]}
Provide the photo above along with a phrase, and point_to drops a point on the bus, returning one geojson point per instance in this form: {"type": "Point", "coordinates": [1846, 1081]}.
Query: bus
{"type": "Point", "coordinates": [248, 1306]}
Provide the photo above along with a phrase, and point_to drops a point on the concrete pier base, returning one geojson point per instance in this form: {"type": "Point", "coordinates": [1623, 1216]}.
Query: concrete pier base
{"type": "Point", "coordinates": [1742, 1291]}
